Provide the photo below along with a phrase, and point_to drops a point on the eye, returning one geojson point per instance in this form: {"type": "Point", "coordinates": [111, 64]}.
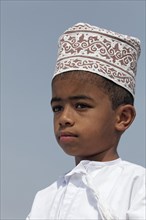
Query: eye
{"type": "Point", "coordinates": [82, 106]}
{"type": "Point", "coordinates": [57, 108]}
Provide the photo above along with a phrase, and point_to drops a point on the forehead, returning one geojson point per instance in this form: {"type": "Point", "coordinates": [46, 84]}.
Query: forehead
{"type": "Point", "coordinates": [76, 83]}
{"type": "Point", "coordinates": [78, 77]}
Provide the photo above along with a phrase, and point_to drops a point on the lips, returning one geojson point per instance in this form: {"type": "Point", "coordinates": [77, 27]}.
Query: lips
{"type": "Point", "coordinates": [67, 137]}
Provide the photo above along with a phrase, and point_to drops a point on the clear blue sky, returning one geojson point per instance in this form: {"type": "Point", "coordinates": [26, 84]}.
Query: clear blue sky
{"type": "Point", "coordinates": [30, 156]}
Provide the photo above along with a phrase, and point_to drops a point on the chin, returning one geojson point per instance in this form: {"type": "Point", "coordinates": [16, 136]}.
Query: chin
{"type": "Point", "coordinates": [71, 151]}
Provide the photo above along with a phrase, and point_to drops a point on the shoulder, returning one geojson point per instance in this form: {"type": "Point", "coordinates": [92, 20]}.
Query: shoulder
{"type": "Point", "coordinates": [132, 166]}
{"type": "Point", "coordinates": [43, 200]}
{"type": "Point", "coordinates": [132, 170]}
{"type": "Point", "coordinates": [50, 190]}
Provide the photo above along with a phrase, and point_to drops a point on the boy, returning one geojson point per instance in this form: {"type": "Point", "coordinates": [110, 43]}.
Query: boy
{"type": "Point", "coordinates": [92, 99]}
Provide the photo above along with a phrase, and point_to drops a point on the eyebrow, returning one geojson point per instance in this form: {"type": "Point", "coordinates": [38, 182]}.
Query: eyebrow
{"type": "Point", "coordinates": [78, 97]}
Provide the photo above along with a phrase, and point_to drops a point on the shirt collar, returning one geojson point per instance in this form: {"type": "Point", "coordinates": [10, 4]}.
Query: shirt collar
{"type": "Point", "coordinates": [87, 166]}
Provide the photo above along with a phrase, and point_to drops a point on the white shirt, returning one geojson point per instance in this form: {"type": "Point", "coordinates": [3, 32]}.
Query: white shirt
{"type": "Point", "coordinates": [94, 190]}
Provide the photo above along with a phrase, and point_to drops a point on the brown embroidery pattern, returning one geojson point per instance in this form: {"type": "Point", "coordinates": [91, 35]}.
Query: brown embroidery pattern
{"type": "Point", "coordinates": [102, 69]}
{"type": "Point", "coordinates": [112, 55]}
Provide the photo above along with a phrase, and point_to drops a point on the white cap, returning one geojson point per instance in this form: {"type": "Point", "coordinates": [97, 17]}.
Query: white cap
{"type": "Point", "coordinates": [106, 53]}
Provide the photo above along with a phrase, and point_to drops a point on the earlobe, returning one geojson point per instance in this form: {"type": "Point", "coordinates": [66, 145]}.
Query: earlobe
{"type": "Point", "coordinates": [125, 115]}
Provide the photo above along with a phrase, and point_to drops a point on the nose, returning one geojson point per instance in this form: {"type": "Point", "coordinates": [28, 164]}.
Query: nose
{"type": "Point", "coordinates": [66, 118]}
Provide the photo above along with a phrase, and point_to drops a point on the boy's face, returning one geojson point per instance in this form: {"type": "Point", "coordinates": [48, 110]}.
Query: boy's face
{"type": "Point", "coordinates": [84, 121]}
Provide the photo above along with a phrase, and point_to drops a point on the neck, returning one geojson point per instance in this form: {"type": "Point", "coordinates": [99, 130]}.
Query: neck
{"type": "Point", "coordinates": [102, 157]}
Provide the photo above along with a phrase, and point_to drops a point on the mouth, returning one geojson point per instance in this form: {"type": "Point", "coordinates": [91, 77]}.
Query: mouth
{"type": "Point", "coordinates": [65, 137]}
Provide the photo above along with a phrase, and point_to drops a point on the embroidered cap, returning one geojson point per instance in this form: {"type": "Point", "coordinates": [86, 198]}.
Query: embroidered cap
{"type": "Point", "coordinates": [106, 53]}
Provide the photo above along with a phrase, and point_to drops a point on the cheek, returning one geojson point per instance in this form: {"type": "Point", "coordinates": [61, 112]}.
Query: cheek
{"type": "Point", "coordinates": [97, 125]}
{"type": "Point", "coordinates": [55, 124]}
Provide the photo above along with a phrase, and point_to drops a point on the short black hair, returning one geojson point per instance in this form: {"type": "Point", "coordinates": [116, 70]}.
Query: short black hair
{"type": "Point", "coordinates": [117, 94]}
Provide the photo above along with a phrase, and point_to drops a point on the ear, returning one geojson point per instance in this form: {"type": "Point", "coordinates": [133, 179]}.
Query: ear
{"type": "Point", "coordinates": [125, 115]}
